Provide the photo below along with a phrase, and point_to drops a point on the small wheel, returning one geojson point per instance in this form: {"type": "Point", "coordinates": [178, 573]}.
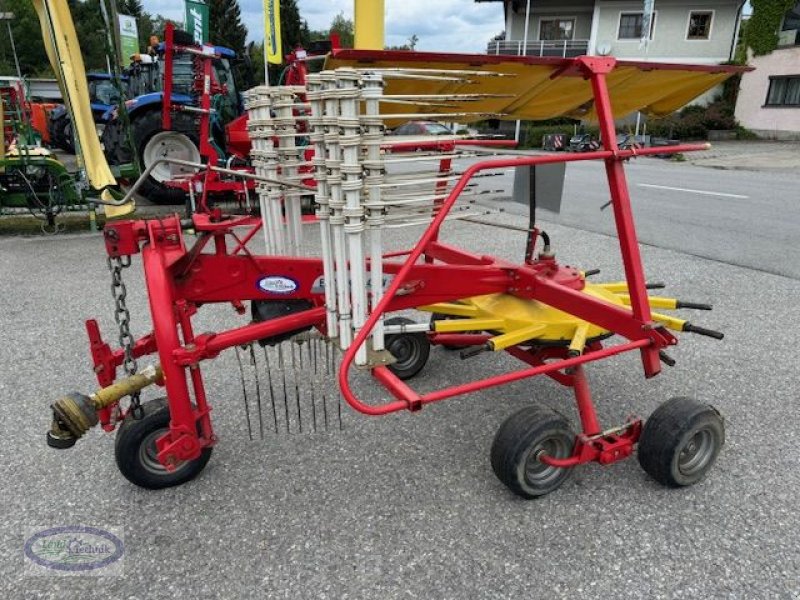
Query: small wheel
{"type": "Point", "coordinates": [680, 441]}
{"type": "Point", "coordinates": [521, 440]}
{"type": "Point", "coordinates": [135, 450]}
{"type": "Point", "coordinates": [410, 349]}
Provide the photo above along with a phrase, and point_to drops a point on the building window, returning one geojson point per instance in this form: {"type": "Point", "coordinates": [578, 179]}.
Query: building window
{"type": "Point", "coordinates": [556, 29]}
{"type": "Point", "coordinates": [790, 31]}
{"type": "Point", "coordinates": [700, 25]}
{"type": "Point", "coordinates": [630, 26]}
{"type": "Point", "coordinates": [784, 91]}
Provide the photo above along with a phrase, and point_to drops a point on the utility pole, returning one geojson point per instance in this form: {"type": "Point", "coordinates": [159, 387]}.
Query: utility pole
{"type": "Point", "coordinates": [8, 17]}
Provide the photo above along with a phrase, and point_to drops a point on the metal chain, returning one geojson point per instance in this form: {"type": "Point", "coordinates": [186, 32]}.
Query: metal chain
{"type": "Point", "coordinates": [122, 316]}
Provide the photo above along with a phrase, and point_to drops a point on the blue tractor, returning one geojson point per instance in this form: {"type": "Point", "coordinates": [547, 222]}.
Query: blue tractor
{"type": "Point", "coordinates": [104, 96]}
{"type": "Point", "coordinates": [140, 138]}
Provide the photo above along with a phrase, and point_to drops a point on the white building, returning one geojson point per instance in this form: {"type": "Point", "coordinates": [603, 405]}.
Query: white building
{"type": "Point", "coordinates": [687, 31]}
{"type": "Point", "coordinates": [769, 97]}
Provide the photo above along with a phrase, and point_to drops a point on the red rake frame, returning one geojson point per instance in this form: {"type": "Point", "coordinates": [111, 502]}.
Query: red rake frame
{"type": "Point", "coordinates": [179, 280]}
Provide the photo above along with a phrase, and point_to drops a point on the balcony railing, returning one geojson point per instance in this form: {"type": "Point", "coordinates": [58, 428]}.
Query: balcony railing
{"type": "Point", "coordinates": [560, 48]}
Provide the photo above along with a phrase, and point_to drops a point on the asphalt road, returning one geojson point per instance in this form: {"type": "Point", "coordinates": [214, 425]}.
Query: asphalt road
{"type": "Point", "coordinates": [745, 218]}
{"type": "Point", "coordinates": [407, 506]}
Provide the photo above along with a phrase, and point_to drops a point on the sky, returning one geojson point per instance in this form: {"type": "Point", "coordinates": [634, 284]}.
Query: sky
{"type": "Point", "coordinates": [443, 25]}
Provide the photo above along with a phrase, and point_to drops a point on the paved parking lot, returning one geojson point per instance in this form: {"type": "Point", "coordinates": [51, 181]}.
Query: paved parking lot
{"type": "Point", "coordinates": [407, 506]}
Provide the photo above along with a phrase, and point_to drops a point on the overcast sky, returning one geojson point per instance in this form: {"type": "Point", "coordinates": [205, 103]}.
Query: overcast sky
{"type": "Point", "coordinates": [445, 25]}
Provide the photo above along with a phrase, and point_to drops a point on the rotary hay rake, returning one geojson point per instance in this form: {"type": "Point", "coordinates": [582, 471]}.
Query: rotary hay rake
{"type": "Point", "coordinates": [327, 313]}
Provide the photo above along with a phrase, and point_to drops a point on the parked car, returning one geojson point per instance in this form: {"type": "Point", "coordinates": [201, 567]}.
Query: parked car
{"type": "Point", "coordinates": [583, 142]}
{"type": "Point", "coordinates": [407, 136]}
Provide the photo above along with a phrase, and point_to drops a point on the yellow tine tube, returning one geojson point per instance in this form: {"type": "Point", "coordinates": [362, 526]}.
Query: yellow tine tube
{"type": "Point", "coordinates": [578, 343]}
{"type": "Point", "coordinates": [451, 308]}
{"type": "Point", "coordinates": [512, 338]}
{"type": "Point", "coordinates": [456, 325]}
{"type": "Point", "coordinates": [669, 322]}
{"type": "Point", "coordinates": [654, 301]}
{"type": "Point", "coordinates": [615, 286]}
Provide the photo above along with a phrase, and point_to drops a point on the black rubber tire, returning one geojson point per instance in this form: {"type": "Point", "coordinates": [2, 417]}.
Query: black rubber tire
{"type": "Point", "coordinates": [61, 133]}
{"type": "Point", "coordinates": [114, 146]}
{"type": "Point", "coordinates": [410, 349]}
{"type": "Point", "coordinates": [516, 444]}
{"type": "Point", "coordinates": [681, 441]}
{"type": "Point", "coordinates": [145, 125]}
{"type": "Point", "coordinates": [133, 433]}
{"type": "Point", "coordinates": [69, 136]}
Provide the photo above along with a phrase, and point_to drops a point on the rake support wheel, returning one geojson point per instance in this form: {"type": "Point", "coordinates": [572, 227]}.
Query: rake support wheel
{"type": "Point", "coordinates": [411, 349]}
{"type": "Point", "coordinates": [681, 441]}
{"type": "Point", "coordinates": [135, 450]}
{"type": "Point", "coordinates": [521, 440]}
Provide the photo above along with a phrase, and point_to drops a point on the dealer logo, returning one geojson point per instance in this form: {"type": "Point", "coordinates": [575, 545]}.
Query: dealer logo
{"type": "Point", "coordinates": [277, 284]}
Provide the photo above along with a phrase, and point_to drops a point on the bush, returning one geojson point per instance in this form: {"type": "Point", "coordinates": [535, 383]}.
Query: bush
{"type": "Point", "coordinates": [694, 122]}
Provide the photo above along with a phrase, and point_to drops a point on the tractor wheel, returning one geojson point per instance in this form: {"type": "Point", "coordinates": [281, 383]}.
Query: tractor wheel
{"type": "Point", "coordinates": [114, 143]}
{"type": "Point", "coordinates": [410, 349]}
{"type": "Point", "coordinates": [69, 136]}
{"type": "Point", "coordinates": [519, 442]}
{"type": "Point", "coordinates": [61, 132]}
{"type": "Point", "coordinates": [680, 441]}
{"type": "Point", "coordinates": [151, 143]}
{"type": "Point", "coordinates": [135, 450]}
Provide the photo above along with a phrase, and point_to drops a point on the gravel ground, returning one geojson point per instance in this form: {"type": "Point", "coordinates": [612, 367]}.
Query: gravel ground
{"type": "Point", "coordinates": [407, 506]}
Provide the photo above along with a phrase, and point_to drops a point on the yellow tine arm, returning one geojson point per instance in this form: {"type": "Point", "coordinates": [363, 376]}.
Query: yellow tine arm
{"type": "Point", "coordinates": [654, 301]}
{"type": "Point", "coordinates": [512, 338]}
{"type": "Point", "coordinates": [450, 308]}
{"type": "Point", "coordinates": [669, 322]}
{"type": "Point", "coordinates": [615, 286]}
{"type": "Point", "coordinates": [456, 325]}
{"type": "Point", "coordinates": [578, 342]}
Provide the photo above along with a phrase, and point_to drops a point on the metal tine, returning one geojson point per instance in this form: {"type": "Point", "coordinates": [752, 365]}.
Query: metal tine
{"type": "Point", "coordinates": [420, 103]}
{"type": "Point", "coordinates": [244, 394]}
{"type": "Point", "coordinates": [313, 385]}
{"type": "Point", "coordinates": [419, 181]}
{"type": "Point", "coordinates": [425, 157]}
{"type": "Point", "coordinates": [296, 389]}
{"type": "Point", "coordinates": [422, 220]}
{"type": "Point", "coordinates": [419, 177]}
{"type": "Point", "coordinates": [450, 116]}
{"type": "Point", "coordinates": [271, 390]}
{"type": "Point", "coordinates": [258, 391]}
{"type": "Point", "coordinates": [324, 398]}
{"type": "Point", "coordinates": [444, 97]}
{"type": "Point", "coordinates": [339, 400]}
{"type": "Point", "coordinates": [421, 77]}
{"type": "Point", "coordinates": [389, 71]}
{"type": "Point", "coordinates": [282, 369]}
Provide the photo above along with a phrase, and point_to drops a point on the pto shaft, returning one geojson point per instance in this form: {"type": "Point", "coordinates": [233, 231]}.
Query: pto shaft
{"type": "Point", "coordinates": [75, 413]}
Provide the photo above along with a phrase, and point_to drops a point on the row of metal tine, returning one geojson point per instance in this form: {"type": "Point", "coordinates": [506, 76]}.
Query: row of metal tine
{"type": "Point", "coordinates": [339, 115]}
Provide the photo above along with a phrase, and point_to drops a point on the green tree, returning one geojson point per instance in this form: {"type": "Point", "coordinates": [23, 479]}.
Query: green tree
{"type": "Point", "coordinates": [344, 27]}
{"type": "Point", "coordinates": [28, 39]}
{"type": "Point", "coordinates": [132, 8]}
{"type": "Point", "coordinates": [256, 51]}
{"type": "Point", "coordinates": [227, 28]}
{"type": "Point", "coordinates": [762, 29]}
{"type": "Point", "coordinates": [294, 31]}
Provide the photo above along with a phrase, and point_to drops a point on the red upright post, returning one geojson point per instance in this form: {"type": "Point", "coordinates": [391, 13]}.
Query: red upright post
{"type": "Point", "coordinates": [597, 69]}
{"type": "Point", "coordinates": [169, 59]}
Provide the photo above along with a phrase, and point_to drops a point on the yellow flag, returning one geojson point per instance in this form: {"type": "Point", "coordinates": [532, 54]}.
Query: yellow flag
{"type": "Point", "coordinates": [272, 27]}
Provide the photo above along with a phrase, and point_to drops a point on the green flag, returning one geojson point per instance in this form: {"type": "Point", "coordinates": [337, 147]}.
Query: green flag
{"type": "Point", "coordinates": [196, 19]}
